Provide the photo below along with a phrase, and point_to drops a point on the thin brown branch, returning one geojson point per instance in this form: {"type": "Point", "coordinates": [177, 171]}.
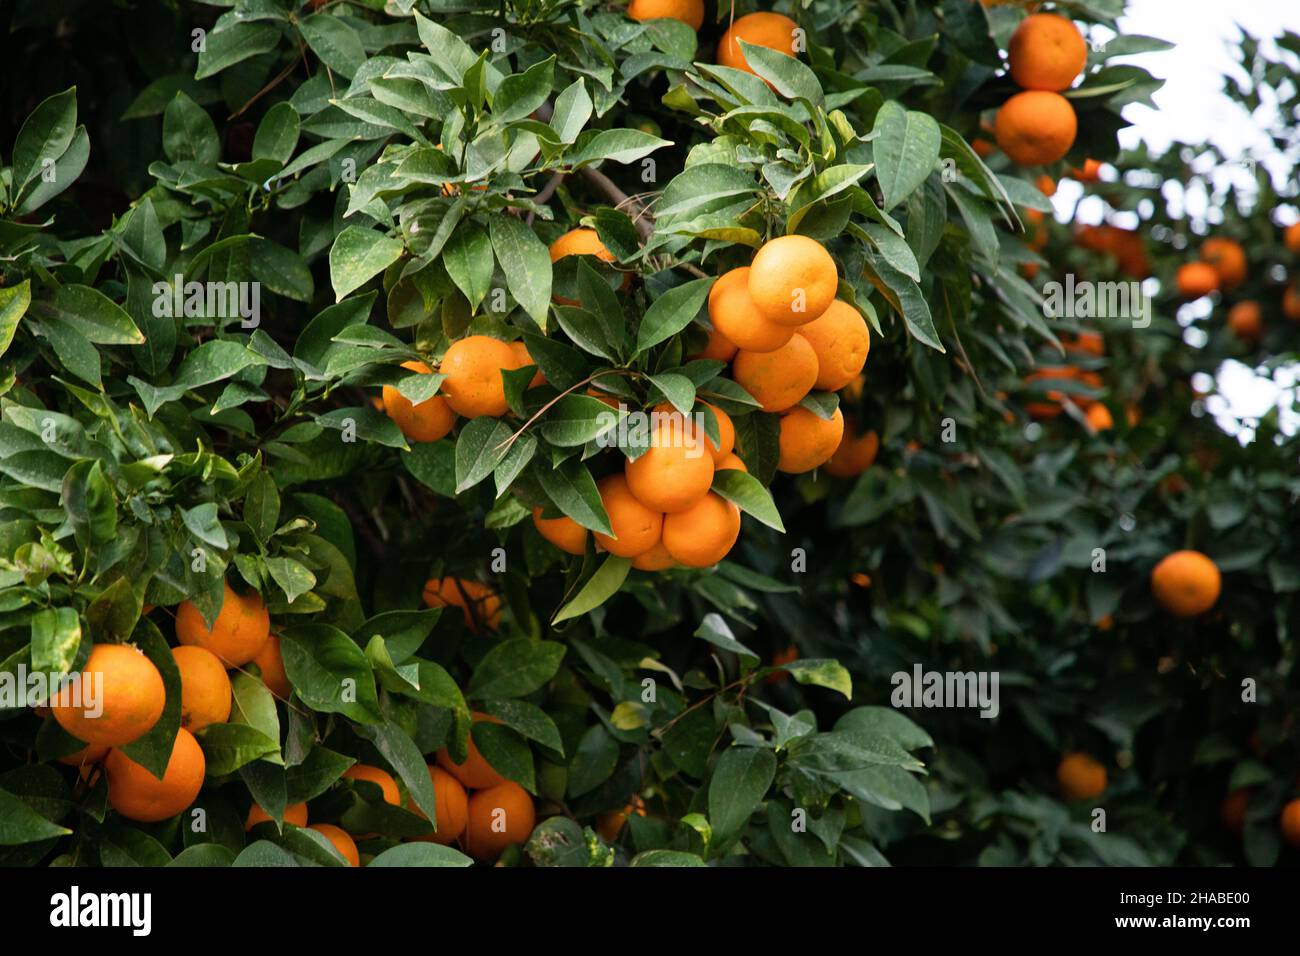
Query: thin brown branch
{"type": "Point", "coordinates": [643, 221]}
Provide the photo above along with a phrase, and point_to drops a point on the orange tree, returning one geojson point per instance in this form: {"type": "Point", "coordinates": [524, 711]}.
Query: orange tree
{"type": "Point", "coordinates": [1046, 535]}
{"type": "Point", "coordinates": [318, 320]}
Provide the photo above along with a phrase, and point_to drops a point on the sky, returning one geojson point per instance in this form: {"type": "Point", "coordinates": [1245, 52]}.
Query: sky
{"type": "Point", "coordinates": [1193, 109]}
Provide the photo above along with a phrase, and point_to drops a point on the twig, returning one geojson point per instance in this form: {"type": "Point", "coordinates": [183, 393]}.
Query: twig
{"type": "Point", "coordinates": [545, 193]}
{"type": "Point", "coordinates": [276, 81]}
{"type": "Point", "coordinates": [643, 221]}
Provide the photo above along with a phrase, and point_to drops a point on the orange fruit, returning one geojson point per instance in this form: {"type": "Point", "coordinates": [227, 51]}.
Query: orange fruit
{"type": "Point", "coordinates": [1036, 127]}
{"type": "Point", "coordinates": [1292, 237]}
{"type": "Point", "coordinates": [734, 314]}
{"type": "Point", "coordinates": [1245, 321]}
{"type": "Point", "coordinates": [1099, 418]}
{"type": "Point", "coordinates": [1046, 185]}
{"type": "Point", "coordinates": [792, 280]}
{"type": "Point", "coordinates": [732, 461]}
{"type": "Point", "coordinates": [239, 632]}
{"type": "Point", "coordinates": [808, 440]}
{"type": "Point", "coordinates": [381, 778]}
{"type": "Point", "coordinates": [205, 688]}
{"type": "Point", "coordinates": [271, 664]}
{"type": "Point", "coordinates": [87, 756]}
{"type": "Point", "coordinates": [1186, 583]}
{"type": "Point", "coordinates": [1233, 810]}
{"type": "Point", "coordinates": [1081, 777]}
{"type": "Point", "coordinates": [726, 435]}
{"type": "Point", "coordinates": [718, 348]}
{"type": "Point", "coordinates": [1125, 245]}
{"type": "Point", "coordinates": [428, 421]}
{"type": "Point", "coordinates": [478, 602]}
{"type": "Point", "coordinates": [1090, 173]}
{"type": "Point", "coordinates": [138, 795]}
{"type": "Point", "coordinates": [841, 341]}
{"type": "Point", "coordinates": [610, 825]}
{"type": "Point", "coordinates": [1290, 822]}
{"type": "Point", "coordinates": [498, 817]}
{"type": "Point", "coordinates": [672, 474]}
{"type": "Point", "coordinates": [450, 806]}
{"type": "Point", "coordinates": [582, 242]}
{"type": "Point", "coordinates": [117, 698]}
{"type": "Point", "coordinates": [346, 846]}
{"type": "Point", "coordinates": [855, 454]}
{"type": "Point", "coordinates": [702, 535]}
{"type": "Point", "coordinates": [563, 532]}
{"type": "Point", "coordinates": [772, 30]}
{"type": "Point", "coordinates": [779, 659]}
{"type": "Point", "coordinates": [475, 772]}
{"type": "Point", "coordinates": [295, 813]}
{"type": "Point", "coordinates": [1227, 258]}
{"type": "Point", "coordinates": [636, 527]}
{"type": "Point", "coordinates": [523, 358]}
{"type": "Point", "coordinates": [473, 367]}
{"type": "Point", "coordinates": [778, 380]}
{"type": "Point", "coordinates": [1291, 303]}
{"type": "Point", "coordinates": [656, 559]}
{"type": "Point", "coordinates": [1196, 279]}
{"type": "Point", "coordinates": [1090, 343]}
{"type": "Point", "coordinates": [982, 147]}
{"type": "Point", "coordinates": [690, 12]}
{"type": "Point", "coordinates": [1047, 52]}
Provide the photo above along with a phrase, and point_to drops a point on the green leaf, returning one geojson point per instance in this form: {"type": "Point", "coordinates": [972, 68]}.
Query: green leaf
{"type": "Point", "coordinates": [577, 419]}
{"type": "Point", "coordinates": [262, 505]}
{"type": "Point", "coordinates": [358, 255]}
{"type": "Point", "coordinates": [337, 44]}
{"type": "Point", "coordinates": [189, 135]}
{"type": "Point", "coordinates": [600, 587]}
{"type": "Point", "coordinates": [56, 635]}
{"type": "Point", "coordinates": [281, 270]}
{"type": "Point", "coordinates": [739, 783]}
{"type": "Point", "coordinates": [228, 747]}
{"type": "Point", "coordinates": [44, 136]}
{"type": "Point", "coordinates": [277, 134]}
{"type": "Point", "coordinates": [525, 263]}
{"type": "Point", "coordinates": [421, 855]}
{"type": "Point", "coordinates": [618, 145]}
{"type": "Point", "coordinates": [522, 93]}
{"type": "Point", "coordinates": [479, 449]}
{"type": "Point", "coordinates": [404, 756]}
{"type": "Point", "coordinates": [572, 111]}
{"type": "Point", "coordinates": [716, 631]}
{"type": "Point", "coordinates": [672, 312]}
{"type": "Point", "coordinates": [63, 174]}
{"type": "Point", "coordinates": [574, 492]}
{"type": "Point", "coordinates": [748, 494]}
{"type": "Point", "coordinates": [88, 500]}
{"type": "Point", "coordinates": [791, 77]}
{"type": "Point", "coordinates": [93, 315]}
{"type": "Point", "coordinates": [469, 261]}
{"type": "Point", "coordinates": [515, 668]}
{"type": "Point", "coordinates": [330, 672]}
{"type": "Point", "coordinates": [293, 578]}
{"type": "Point", "coordinates": [19, 823]}
{"type": "Point", "coordinates": [905, 148]}
{"type": "Point", "coordinates": [233, 44]}
{"type": "Point", "coordinates": [14, 301]}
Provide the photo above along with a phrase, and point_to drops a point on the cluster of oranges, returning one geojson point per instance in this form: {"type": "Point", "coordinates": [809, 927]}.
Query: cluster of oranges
{"type": "Point", "coordinates": [766, 29]}
{"type": "Point", "coordinates": [1084, 345]}
{"type": "Point", "coordinates": [1222, 267]}
{"type": "Point", "coordinates": [476, 807]}
{"type": "Point", "coordinates": [1038, 125]}
{"type": "Point", "coordinates": [131, 697]}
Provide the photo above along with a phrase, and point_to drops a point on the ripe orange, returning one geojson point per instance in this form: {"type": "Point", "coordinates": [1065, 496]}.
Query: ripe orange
{"type": "Point", "coordinates": [780, 658]}
{"type": "Point", "coordinates": [671, 475]}
{"type": "Point", "coordinates": [475, 772]}
{"type": "Point", "coordinates": [609, 825]}
{"type": "Point", "coordinates": [1186, 583]}
{"type": "Point", "coordinates": [690, 12]}
{"type": "Point", "coordinates": [855, 454]}
{"type": "Point", "coordinates": [450, 806]}
{"type": "Point", "coordinates": [1233, 810]}
{"type": "Point", "coordinates": [138, 795]}
{"type": "Point", "coordinates": [1291, 303]}
{"type": "Point", "coordinates": [1196, 279]}
{"type": "Point", "coordinates": [840, 339]}
{"type": "Point", "coordinates": [772, 30]}
{"type": "Point", "coordinates": [1124, 244]}
{"type": "Point", "coordinates": [563, 532]}
{"type": "Point", "coordinates": [523, 359]}
{"type": "Point", "coordinates": [1099, 418]}
{"type": "Point", "coordinates": [1290, 822]}
{"type": "Point", "coordinates": [1292, 237]}
{"type": "Point", "coordinates": [120, 697]}
{"type": "Point", "coordinates": [478, 602]}
{"type": "Point", "coordinates": [726, 435]}
{"type": "Point", "coordinates": [428, 421]}
{"type": "Point", "coordinates": [87, 756]}
{"type": "Point", "coordinates": [718, 348]}
{"type": "Point", "coordinates": [636, 527]}
{"type": "Point", "coordinates": [1046, 185]}
{"type": "Point", "coordinates": [499, 817]}
{"type": "Point", "coordinates": [792, 280]}
{"type": "Point", "coordinates": [1046, 52]}
{"type": "Point", "coordinates": [271, 664]}
{"type": "Point", "coordinates": [473, 367]}
{"type": "Point", "coordinates": [1036, 127]}
{"type": "Point", "coordinates": [807, 440]}
{"type": "Point", "coordinates": [1090, 173]}
{"type": "Point", "coordinates": [1090, 343]}
{"type": "Point", "coordinates": [656, 559]}
{"type": "Point", "coordinates": [1081, 777]}
{"type": "Point", "coordinates": [380, 778]}
{"type": "Point", "coordinates": [346, 846]}
{"type": "Point", "coordinates": [702, 535]}
{"type": "Point", "coordinates": [778, 380]}
{"type": "Point", "coordinates": [733, 313]}
{"type": "Point", "coordinates": [205, 688]}
{"type": "Point", "coordinates": [1245, 321]}
{"type": "Point", "coordinates": [582, 242]}
{"type": "Point", "coordinates": [1227, 258]}
{"type": "Point", "coordinates": [731, 461]}
{"type": "Point", "coordinates": [238, 633]}
{"type": "Point", "coordinates": [295, 813]}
